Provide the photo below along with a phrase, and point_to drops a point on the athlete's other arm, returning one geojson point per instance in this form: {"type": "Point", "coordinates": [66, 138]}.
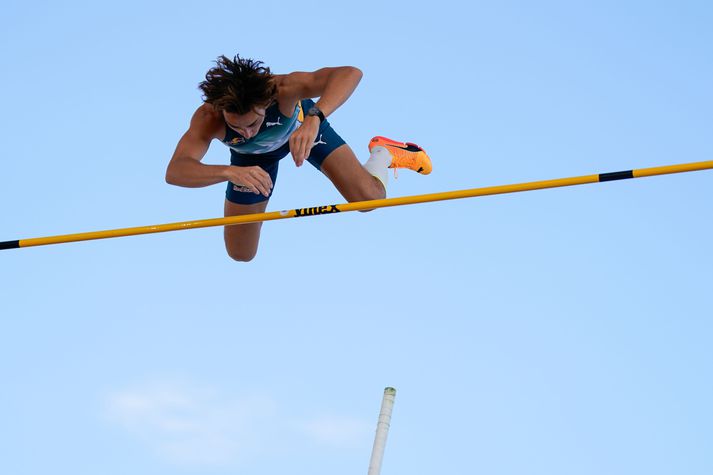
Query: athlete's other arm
{"type": "Point", "coordinates": [333, 86]}
{"type": "Point", "coordinates": [186, 169]}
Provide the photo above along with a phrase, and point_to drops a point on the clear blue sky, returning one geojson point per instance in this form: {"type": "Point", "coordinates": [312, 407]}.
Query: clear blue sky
{"type": "Point", "coordinates": [552, 332]}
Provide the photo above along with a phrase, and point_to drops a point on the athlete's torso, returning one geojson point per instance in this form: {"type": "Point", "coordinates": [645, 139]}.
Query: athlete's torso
{"type": "Point", "coordinates": [274, 132]}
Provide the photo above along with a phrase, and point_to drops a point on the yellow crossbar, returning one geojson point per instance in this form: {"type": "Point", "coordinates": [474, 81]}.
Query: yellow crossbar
{"type": "Point", "coordinates": [359, 205]}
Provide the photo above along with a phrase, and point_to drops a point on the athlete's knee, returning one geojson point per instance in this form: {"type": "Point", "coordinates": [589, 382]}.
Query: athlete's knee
{"type": "Point", "coordinates": [374, 195]}
{"type": "Point", "coordinates": [368, 194]}
{"type": "Point", "coordinates": [241, 254]}
{"type": "Point", "coordinates": [371, 190]}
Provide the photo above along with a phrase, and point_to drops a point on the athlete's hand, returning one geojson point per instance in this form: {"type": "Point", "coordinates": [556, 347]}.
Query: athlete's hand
{"type": "Point", "coordinates": [254, 178]}
{"type": "Point", "coordinates": [302, 139]}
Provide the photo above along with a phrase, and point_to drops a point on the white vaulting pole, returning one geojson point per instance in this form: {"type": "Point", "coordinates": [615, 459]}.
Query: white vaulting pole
{"type": "Point", "coordinates": [382, 430]}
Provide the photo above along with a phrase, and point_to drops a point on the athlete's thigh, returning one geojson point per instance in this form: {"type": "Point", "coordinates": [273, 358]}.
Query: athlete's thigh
{"type": "Point", "coordinates": [349, 176]}
{"type": "Point", "coordinates": [241, 240]}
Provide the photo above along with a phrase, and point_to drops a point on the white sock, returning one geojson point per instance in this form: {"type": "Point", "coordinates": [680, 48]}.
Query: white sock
{"type": "Point", "coordinates": [378, 164]}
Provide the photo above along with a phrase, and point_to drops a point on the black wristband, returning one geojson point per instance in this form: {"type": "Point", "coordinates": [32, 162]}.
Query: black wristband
{"type": "Point", "coordinates": [314, 111]}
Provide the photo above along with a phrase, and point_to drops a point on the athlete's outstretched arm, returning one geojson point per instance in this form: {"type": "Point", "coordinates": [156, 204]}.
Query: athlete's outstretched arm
{"type": "Point", "coordinates": [333, 86]}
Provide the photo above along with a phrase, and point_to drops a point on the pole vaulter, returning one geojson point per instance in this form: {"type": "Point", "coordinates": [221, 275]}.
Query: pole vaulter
{"type": "Point", "coordinates": [360, 205]}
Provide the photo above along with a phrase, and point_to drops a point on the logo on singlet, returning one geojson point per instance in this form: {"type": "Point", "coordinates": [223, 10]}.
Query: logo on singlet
{"type": "Point", "coordinates": [236, 141]}
{"type": "Point", "coordinates": [270, 124]}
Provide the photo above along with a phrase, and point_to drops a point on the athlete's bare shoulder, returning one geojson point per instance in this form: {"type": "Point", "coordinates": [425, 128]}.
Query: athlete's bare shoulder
{"type": "Point", "coordinates": [207, 123]}
{"type": "Point", "coordinates": [281, 81]}
{"type": "Point", "coordinates": [306, 85]}
{"type": "Point", "coordinates": [292, 85]}
{"type": "Point", "coordinates": [287, 93]}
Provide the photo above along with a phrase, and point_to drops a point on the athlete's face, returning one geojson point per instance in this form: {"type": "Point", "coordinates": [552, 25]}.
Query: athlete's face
{"type": "Point", "coordinates": [246, 125]}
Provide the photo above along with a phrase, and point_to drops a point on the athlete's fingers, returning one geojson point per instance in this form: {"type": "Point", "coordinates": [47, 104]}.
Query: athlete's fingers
{"type": "Point", "coordinates": [301, 147]}
{"type": "Point", "coordinates": [264, 177]}
{"type": "Point", "coordinates": [302, 141]}
{"type": "Point", "coordinates": [267, 184]}
{"type": "Point", "coordinates": [305, 149]}
{"type": "Point", "coordinates": [252, 184]}
{"type": "Point", "coordinates": [261, 182]}
{"type": "Point", "coordinates": [261, 175]}
{"type": "Point", "coordinates": [306, 145]}
{"type": "Point", "coordinates": [250, 187]}
{"type": "Point", "coordinates": [293, 148]}
{"type": "Point", "coordinates": [297, 158]}
{"type": "Point", "coordinates": [259, 189]}
{"type": "Point", "coordinates": [296, 149]}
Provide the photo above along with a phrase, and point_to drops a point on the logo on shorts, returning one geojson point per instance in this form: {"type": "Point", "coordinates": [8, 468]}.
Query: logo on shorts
{"type": "Point", "coordinates": [242, 188]}
{"type": "Point", "coordinates": [319, 141]}
{"type": "Point", "coordinates": [317, 210]}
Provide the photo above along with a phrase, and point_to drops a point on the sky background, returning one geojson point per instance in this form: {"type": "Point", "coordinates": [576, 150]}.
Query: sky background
{"type": "Point", "coordinates": [550, 332]}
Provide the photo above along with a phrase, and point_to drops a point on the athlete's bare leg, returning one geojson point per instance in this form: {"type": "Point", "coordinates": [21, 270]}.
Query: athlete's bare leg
{"type": "Point", "coordinates": [241, 240]}
{"type": "Point", "coordinates": [344, 170]}
{"type": "Point", "coordinates": [349, 176]}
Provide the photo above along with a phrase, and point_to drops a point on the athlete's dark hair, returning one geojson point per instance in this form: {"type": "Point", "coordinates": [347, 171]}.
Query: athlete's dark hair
{"type": "Point", "coordinates": [238, 85]}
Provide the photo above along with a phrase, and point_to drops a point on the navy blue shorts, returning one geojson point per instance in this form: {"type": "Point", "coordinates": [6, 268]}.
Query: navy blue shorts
{"type": "Point", "coordinates": [327, 141]}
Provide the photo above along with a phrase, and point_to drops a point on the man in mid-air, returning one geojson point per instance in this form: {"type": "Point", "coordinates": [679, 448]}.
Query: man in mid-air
{"type": "Point", "coordinates": [262, 117]}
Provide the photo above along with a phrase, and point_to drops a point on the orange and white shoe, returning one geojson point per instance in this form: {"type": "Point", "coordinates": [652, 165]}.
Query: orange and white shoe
{"type": "Point", "coordinates": [404, 155]}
